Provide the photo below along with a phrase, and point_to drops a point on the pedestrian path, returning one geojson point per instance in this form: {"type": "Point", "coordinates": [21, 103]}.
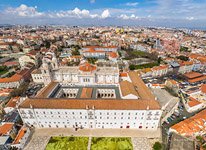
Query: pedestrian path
{"type": "Point", "coordinates": [141, 144]}
{"type": "Point", "coordinates": [89, 143]}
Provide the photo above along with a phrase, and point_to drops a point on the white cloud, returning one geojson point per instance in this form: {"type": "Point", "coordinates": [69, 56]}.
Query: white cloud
{"type": "Point", "coordinates": [126, 17]}
{"type": "Point", "coordinates": [105, 14]}
{"type": "Point", "coordinates": [132, 4]}
{"type": "Point", "coordinates": [190, 18]}
{"type": "Point", "coordinates": [92, 1]}
{"type": "Point", "coordinates": [75, 13]}
{"type": "Point", "coordinates": [24, 11]}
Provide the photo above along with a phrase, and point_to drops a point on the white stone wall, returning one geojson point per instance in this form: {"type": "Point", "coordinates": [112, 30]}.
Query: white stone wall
{"type": "Point", "coordinates": [37, 78]}
{"type": "Point", "coordinates": [106, 93]}
{"type": "Point", "coordinates": [10, 84]}
{"type": "Point", "coordinates": [23, 60]}
{"type": "Point", "coordinates": [68, 118]}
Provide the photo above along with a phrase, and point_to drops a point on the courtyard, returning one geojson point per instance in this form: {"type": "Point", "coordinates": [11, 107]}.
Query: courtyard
{"type": "Point", "coordinates": [140, 139]}
{"type": "Point", "coordinates": [84, 143]}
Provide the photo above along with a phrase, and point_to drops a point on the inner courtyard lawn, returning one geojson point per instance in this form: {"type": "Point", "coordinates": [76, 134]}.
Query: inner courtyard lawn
{"type": "Point", "coordinates": [111, 143]}
{"type": "Point", "coordinates": [67, 143]}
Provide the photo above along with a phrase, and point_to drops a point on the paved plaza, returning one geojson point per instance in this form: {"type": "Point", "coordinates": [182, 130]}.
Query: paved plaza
{"type": "Point", "coordinates": [141, 144]}
{"type": "Point", "coordinates": [41, 137]}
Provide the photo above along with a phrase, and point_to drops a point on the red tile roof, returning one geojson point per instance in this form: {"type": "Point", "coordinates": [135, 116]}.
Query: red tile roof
{"type": "Point", "coordinates": [197, 79]}
{"type": "Point", "coordinates": [86, 93]}
{"type": "Point", "coordinates": [12, 102]}
{"type": "Point", "coordinates": [163, 67]}
{"type": "Point", "coordinates": [5, 128]}
{"type": "Point", "coordinates": [127, 88]}
{"type": "Point", "coordinates": [46, 90]}
{"type": "Point", "coordinates": [203, 88]}
{"type": "Point", "coordinates": [113, 55]}
{"type": "Point", "coordinates": [191, 75]}
{"type": "Point", "coordinates": [191, 125]}
{"type": "Point", "coordinates": [193, 102]}
{"type": "Point", "coordinates": [20, 135]}
{"type": "Point", "coordinates": [103, 104]}
{"type": "Point", "coordinates": [123, 74]}
{"type": "Point", "coordinates": [142, 89]}
{"type": "Point", "coordinates": [14, 78]}
{"type": "Point", "coordinates": [86, 67]}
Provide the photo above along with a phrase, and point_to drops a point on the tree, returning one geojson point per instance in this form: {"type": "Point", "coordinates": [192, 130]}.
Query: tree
{"type": "Point", "coordinates": [132, 67]}
{"type": "Point", "coordinates": [19, 91]}
{"type": "Point", "coordinates": [92, 60]}
{"type": "Point", "coordinates": [159, 60]}
{"type": "Point", "coordinates": [157, 146]}
{"type": "Point", "coordinates": [47, 44]}
{"type": "Point", "coordinates": [184, 49]}
{"type": "Point", "coordinates": [75, 52]}
{"type": "Point", "coordinates": [184, 58]}
{"type": "Point", "coordinates": [200, 139]}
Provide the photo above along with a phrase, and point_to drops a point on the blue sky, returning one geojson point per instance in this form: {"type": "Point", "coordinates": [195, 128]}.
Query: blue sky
{"type": "Point", "coordinates": [175, 13]}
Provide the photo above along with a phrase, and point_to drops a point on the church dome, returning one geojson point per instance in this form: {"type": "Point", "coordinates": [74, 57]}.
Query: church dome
{"type": "Point", "coordinates": [87, 67]}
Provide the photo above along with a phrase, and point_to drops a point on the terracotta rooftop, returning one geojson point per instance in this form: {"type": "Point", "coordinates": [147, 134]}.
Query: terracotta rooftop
{"type": "Point", "coordinates": [127, 88]}
{"type": "Point", "coordinates": [36, 71]}
{"type": "Point", "coordinates": [142, 90]}
{"type": "Point", "coordinates": [44, 93]}
{"type": "Point", "coordinates": [5, 128]}
{"type": "Point", "coordinates": [86, 93]}
{"type": "Point", "coordinates": [191, 75]}
{"type": "Point", "coordinates": [191, 125]}
{"type": "Point", "coordinates": [86, 67]}
{"type": "Point", "coordinates": [160, 67]}
{"type": "Point", "coordinates": [193, 102]}
{"type": "Point", "coordinates": [103, 104]}
{"type": "Point", "coordinates": [186, 63]}
{"type": "Point", "coordinates": [14, 78]}
{"type": "Point", "coordinates": [12, 102]}
{"type": "Point", "coordinates": [11, 63]}
{"type": "Point", "coordinates": [203, 88]}
{"type": "Point", "coordinates": [20, 135]}
{"type": "Point", "coordinates": [123, 74]}
{"type": "Point", "coordinates": [113, 55]}
{"type": "Point", "coordinates": [197, 79]}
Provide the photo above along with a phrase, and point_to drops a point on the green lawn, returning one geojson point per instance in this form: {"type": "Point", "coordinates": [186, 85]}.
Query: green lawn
{"type": "Point", "coordinates": [107, 143]}
{"type": "Point", "coordinates": [3, 72]}
{"type": "Point", "coordinates": [67, 143]}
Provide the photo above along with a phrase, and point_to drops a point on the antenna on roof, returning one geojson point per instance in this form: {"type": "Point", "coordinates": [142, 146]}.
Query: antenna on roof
{"type": "Point", "coordinates": [31, 106]}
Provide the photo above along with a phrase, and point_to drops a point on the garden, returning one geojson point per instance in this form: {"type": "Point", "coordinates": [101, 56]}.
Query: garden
{"type": "Point", "coordinates": [97, 143]}
{"type": "Point", "coordinates": [67, 143]}
{"type": "Point", "coordinates": [111, 143]}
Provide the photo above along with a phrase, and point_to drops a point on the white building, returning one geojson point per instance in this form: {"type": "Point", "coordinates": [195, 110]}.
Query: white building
{"type": "Point", "coordinates": [62, 113]}
{"type": "Point", "coordinates": [32, 57]}
{"type": "Point", "coordinates": [85, 74]}
{"type": "Point", "coordinates": [99, 52]}
{"type": "Point", "coordinates": [128, 105]}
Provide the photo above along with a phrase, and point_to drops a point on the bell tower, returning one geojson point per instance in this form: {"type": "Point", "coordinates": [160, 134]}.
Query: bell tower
{"type": "Point", "coordinates": [54, 62]}
{"type": "Point", "coordinates": [46, 70]}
